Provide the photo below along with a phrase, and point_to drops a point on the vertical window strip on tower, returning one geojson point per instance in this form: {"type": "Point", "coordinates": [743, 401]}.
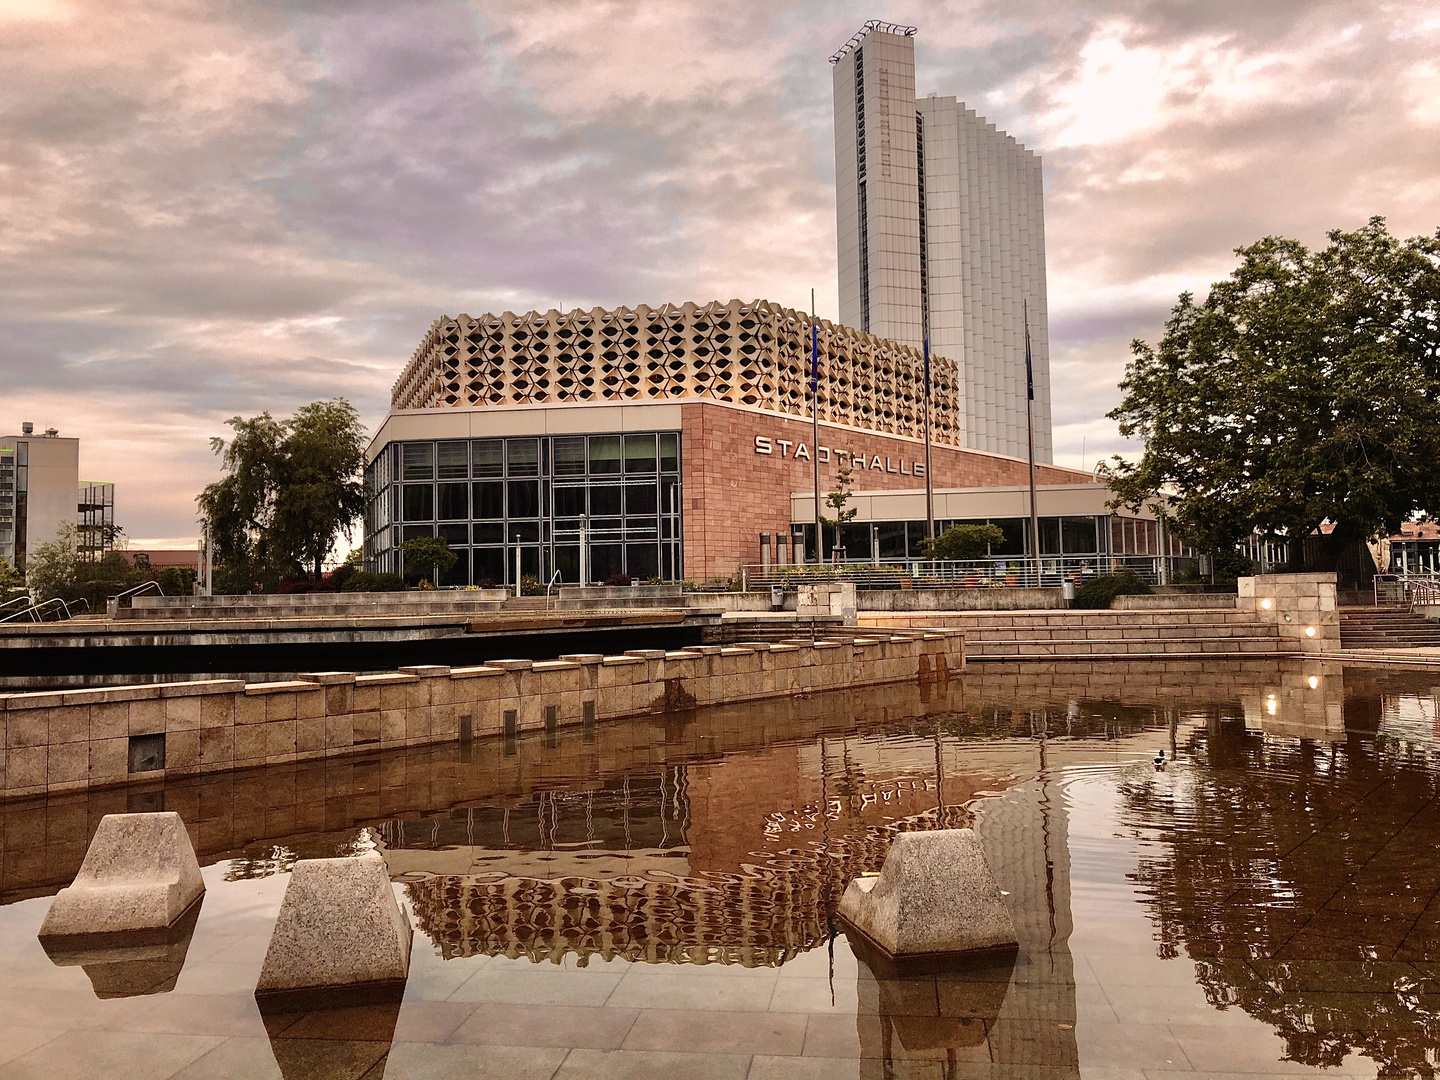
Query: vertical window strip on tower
{"type": "Point", "coordinates": [860, 177]}
{"type": "Point", "coordinates": [924, 232]}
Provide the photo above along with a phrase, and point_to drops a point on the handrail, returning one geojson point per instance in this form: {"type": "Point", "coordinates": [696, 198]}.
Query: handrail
{"type": "Point", "coordinates": [36, 611]}
{"type": "Point", "coordinates": [555, 577]}
{"type": "Point", "coordinates": [136, 590]}
{"type": "Point", "coordinates": [23, 598]}
{"type": "Point", "coordinates": [1014, 571]}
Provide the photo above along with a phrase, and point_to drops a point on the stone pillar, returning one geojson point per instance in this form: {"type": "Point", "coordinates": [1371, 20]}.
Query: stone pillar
{"type": "Point", "coordinates": [1301, 606]}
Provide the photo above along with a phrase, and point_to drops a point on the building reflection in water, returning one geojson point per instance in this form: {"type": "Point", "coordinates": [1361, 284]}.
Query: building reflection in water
{"type": "Point", "coordinates": [1298, 865]}
{"type": "Point", "coordinates": [726, 836]}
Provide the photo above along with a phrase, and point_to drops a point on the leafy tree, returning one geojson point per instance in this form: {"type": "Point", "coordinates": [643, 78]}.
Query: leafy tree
{"type": "Point", "coordinates": [1304, 389]}
{"type": "Point", "coordinates": [838, 500]}
{"type": "Point", "coordinates": [354, 563]}
{"type": "Point", "coordinates": [964, 542]}
{"type": "Point", "coordinates": [177, 580]}
{"type": "Point", "coordinates": [11, 581]}
{"type": "Point", "coordinates": [50, 564]}
{"type": "Point", "coordinates": [292, 487]}
{"type": "Point", "coordinates": [427, 554]}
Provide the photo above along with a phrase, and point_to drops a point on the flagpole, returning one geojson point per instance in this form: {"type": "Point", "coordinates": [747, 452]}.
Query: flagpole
{"type": "Point", "coordinates": [929, 478]}
{"type": "Point", "coordinates": [815, 417]}
{"type": "Point", "coordinates": [1030, 435]}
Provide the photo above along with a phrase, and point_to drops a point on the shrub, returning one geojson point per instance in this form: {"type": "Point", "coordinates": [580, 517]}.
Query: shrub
{"type": "Point", "coordinates": [366, 582]}
{"type": "Point", "coordinates": [1097, 593]}
{"type": "Point", "coordinates": [530, 586]}
{"type": "Point", "coordinates": [424, 553]}
{"type": "Point", "coordinates": [965, 542]}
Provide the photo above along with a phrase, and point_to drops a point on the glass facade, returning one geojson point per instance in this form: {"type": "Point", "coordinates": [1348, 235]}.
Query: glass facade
{"type": "Point", "coordinates": [586, 506]}
{"type": "Point", "coordinates": [884, 541]}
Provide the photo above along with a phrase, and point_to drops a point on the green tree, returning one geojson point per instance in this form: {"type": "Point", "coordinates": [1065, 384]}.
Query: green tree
{"type": "Point", "coordinates": [11, 581]}
{"type": "Point", "coordinates": [1305, 389]}
{"type": "Point", "coordinates": [291, 488]}
{"type": "Point", "coordinates": [965, 542]}
{"type": "Point", "coordinates": [838, 500]}
{"type": "Point", "coordinates": [50, 564]}
{"type": "Point", "coordinates": [425, 555]}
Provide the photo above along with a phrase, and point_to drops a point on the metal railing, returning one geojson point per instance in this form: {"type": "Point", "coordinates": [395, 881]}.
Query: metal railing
{"type": "Point", "coordinates": [112, 605]}
{"type": "Point", "coordinates": [23, 599]}
{"type": "Point", "coordinates": [992, 573]}
{"type": "Point", "coordinates": [37, 611]}
{"type": "Point", "coordinates": [1412, 590]}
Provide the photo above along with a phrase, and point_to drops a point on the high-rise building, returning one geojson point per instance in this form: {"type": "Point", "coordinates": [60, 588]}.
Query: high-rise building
{"type": "Point", "coordinates": [941, 221]}
{"type": "Point", "coordinates": [41, 489]}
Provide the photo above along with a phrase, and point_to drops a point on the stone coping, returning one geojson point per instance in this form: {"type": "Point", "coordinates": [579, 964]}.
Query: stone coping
{"type": "Point", "coordinates": [49, 699]}
{"type": "Point", "coordinates": [73, 740]}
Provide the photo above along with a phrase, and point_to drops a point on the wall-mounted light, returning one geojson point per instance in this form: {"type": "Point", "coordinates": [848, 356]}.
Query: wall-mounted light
{"type": "Point", "coordinates": [1270, 705]}
{"type": "Point", "coordinates": [1314, 682]}
{"type": "Point", "coordinates": [1267, 603]}
{"type": "Point", "coordinates": [1309, 631]}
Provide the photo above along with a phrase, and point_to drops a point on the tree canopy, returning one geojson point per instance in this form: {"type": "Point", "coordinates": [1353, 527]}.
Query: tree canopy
{"type": "Point", "coordinates": [965, 541]}
{"type": "Point", "coordinates": [1304, 389]}
{"type": "Point", "coordinates": [428, 554]}
{"type": "Point", "coordinates": [291, 488]}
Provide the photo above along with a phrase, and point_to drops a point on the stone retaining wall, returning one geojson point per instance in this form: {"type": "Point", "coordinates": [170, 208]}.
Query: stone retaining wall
{"type": "Point", "coordinates": [77, 739]}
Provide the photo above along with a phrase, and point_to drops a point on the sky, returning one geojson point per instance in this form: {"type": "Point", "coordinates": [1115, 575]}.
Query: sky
{"type": "Point", "coordinates": [212, 208]}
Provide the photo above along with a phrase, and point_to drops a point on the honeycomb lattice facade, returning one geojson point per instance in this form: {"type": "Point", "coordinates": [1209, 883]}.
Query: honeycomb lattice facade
{"type": "Point", "coordinates": [753, 354]}
{"type": "Point", "coordinates": [761, 918]}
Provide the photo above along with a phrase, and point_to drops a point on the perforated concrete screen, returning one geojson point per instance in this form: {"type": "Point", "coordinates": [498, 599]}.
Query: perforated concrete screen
{"type": "Point", "coordinates": [754, 353]}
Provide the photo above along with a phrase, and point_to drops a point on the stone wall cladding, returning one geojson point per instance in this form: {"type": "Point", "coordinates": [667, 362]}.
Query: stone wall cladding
{"type": "Point", "coordinates": [1303, 608]}
{"type": "Point", "coordinates": [732, 494]}
{"type": "Point", "coordinates": [78, 739]}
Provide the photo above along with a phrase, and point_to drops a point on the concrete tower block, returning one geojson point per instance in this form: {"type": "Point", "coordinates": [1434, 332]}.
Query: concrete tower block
{"type": "Point", "coordinates": [139, 873]}
{"type": "Point", "coordinates": [340, 928]}
{"type": "Point", "coordinates": [935, 896]}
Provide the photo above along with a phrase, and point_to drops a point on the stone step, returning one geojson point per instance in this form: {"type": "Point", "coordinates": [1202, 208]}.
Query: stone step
{"type": "Point", "coordinates": [1139, 633]}
{"type": "Point", "coordinates": [980, 650]}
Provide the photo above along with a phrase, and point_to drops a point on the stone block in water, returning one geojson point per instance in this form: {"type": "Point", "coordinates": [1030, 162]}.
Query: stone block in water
{"type": "Point", "coordinates": [934, 897]}
{"type": "Point", "coordinates": [139, 874]}
{"type": "Point", "coordinates": [341, 938]}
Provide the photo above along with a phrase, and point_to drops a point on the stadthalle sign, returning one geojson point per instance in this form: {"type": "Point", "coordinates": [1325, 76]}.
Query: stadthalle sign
{"type": "Point", "coordinates": [767, 446]}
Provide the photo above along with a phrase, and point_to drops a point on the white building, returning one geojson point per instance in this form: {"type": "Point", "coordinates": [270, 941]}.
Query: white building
{"type": "Point", "coordinates": [41, 489]}
{"type": "Point", "coordinates": [941, 218]}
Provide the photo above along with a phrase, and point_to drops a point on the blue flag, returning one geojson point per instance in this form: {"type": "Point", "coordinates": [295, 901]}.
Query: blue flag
{"type": "Point", "coordinates": [1029, 367]}
{"type": "Point", "coordinates": [927, 367]}
{"type": "Point", "coordinates": [814, 357]}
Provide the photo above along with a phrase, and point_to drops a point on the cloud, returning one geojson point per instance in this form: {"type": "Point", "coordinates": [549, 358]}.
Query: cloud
{"type": "Point", "coordinates": [212, 209]}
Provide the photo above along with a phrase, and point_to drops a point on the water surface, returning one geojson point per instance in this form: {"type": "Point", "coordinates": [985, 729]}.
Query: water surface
{"type": "Point", "coordinates": [654, 897]}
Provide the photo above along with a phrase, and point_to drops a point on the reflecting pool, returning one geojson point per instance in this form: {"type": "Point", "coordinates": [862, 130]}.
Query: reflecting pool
{"type": "Point", "coordinates": [1217, 869]}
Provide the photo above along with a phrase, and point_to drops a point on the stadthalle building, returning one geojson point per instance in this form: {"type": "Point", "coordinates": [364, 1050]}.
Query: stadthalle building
{"type": "Point", "coordinates": [677, 442]}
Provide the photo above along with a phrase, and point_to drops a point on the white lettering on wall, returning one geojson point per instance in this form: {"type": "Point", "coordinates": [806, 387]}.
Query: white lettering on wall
{"type": "Point", "coordinates": [766, 445]}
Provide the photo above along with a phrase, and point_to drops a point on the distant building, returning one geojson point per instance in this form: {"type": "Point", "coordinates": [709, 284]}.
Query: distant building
{"type": "Point", "coordinates": [941, 222]}
{"type": "Point", "coordinates": [676, 441]}
{"type": "Point", "coordinates": [1415, 549]}
{"type": "Point", "coordinates": [41, 489]}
